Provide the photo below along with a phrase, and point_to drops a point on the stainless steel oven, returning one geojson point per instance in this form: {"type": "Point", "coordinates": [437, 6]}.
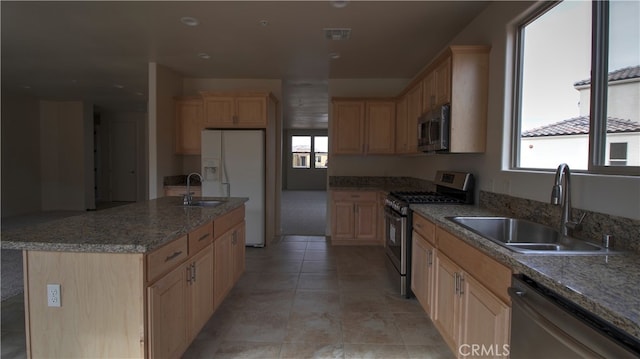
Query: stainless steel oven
{"type": "Point", "coordinates": [451, 188]}
{"type": "Point", "coordinates": [396, 228]}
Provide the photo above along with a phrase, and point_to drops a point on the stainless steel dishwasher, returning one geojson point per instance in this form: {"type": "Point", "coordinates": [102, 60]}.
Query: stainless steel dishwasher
{"type": "Point", "coordinates": [546, 325]}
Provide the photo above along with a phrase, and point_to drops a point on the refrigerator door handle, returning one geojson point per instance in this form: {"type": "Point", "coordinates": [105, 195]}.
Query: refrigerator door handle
{"type": "Point", "coordinates": [228, 188]}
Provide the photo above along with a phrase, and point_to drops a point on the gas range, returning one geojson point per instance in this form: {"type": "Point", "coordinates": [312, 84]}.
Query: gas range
{"type": "Point", "coordinates": [451, 188]}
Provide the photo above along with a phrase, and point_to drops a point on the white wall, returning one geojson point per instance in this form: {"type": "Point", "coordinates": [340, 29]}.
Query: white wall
{"type": "Point", "coordinates": [615, 195]}
{"type": "Point", "coordinates": [20, 155]}
{"type": "Point", "coordinates": [62, 161]}
{"type": "Point", "coordinates": [164, 85]}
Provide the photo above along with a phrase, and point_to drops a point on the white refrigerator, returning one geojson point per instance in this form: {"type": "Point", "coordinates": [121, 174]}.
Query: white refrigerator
{"type": "Point", "coordinates": [233, 165]}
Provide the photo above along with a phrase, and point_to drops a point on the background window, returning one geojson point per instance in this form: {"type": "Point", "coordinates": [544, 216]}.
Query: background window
{"type": "Point", "coordinates": [304, 148]}
{"type": "Point", "coordinates": [618, 154]}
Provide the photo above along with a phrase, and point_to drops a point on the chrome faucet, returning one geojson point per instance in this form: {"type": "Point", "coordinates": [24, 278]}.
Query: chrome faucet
{"type": "Point", "coordinates": [561, 195]}
{"type": "Point", "coordinates": [187, 198]}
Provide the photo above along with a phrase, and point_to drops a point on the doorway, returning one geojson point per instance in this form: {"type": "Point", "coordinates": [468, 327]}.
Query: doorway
{"type": "Point", "coordinates": [124, 177]}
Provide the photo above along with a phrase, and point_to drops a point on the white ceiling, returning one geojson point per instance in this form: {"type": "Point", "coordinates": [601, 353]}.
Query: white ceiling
{"type": "Point", "coordinates": [80, 50]}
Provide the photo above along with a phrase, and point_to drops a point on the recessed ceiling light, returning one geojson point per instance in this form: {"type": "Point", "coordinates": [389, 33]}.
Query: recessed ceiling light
{"type": "Point", "coordinates": [118, 86]}
{"type": "Point", "coordinates": [334, 55]}
{"type": "Point", "coordinates": [339, 3]}
{"type": "Point", "coordinates": [189, 21]}
{"type": "Point", "coordinates": [263, 22]}
{"type": "Point", "coordinates": [204, 56]}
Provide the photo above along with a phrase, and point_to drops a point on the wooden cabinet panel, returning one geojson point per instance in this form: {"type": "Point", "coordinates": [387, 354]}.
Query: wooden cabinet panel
{"type": "Point", "coordinates": [166, 257]}
{"type": "Point", "coordinates": [201, 290]}
{"type": "Point", "coordinates": [188, 127]}
{"type": "Point", "coordinates": [354, 217]}
{"type": "Point", "coordinates": [238, 249]}
{"type": "Point", "coordinates": [363, 127]}
{"type": "Point", "coordinates": [179, 191]}
{"type": "Point", "coordinates": [219, 111]}
{"type": "Point", "coordinates": [251, 112]}
{"type": "Point", "coordinates": [402, 125]}
{"type": "Point", "coordinates": [200, 237]}
{"type": "Point", "coordinates": [236, 110]}
{"type": "Point", "coordinates": [443, 82]}
{"type": "Point", "coordinates": [168, 304]}
{"type": "Point", "coordinates": [425, 228]}
{"type": "Point", "coordinates": [414, 110]}
{"type": "Point", "coordinates": [380, 125]}
{"type": "Point", "coordinates": [429, 92]}
{"type": "Point", "coordinates": [422, 272]}
{"type": "Point", "coordinates": [347, 126]}
{"type": "Point", "coordinates": [485, 318]}
{"type": "Point", "coordinates": [446, 304]}
{"type": "Point", "coordinates": [222, 268]}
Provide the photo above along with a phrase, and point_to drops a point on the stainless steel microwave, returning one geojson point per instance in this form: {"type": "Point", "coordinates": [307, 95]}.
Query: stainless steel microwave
{"type": "Point", "coordinates": [434, 128]}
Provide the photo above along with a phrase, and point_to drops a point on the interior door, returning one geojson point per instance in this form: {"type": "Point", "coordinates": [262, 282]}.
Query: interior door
{"type": "Point", "coordinates": [123, 161]}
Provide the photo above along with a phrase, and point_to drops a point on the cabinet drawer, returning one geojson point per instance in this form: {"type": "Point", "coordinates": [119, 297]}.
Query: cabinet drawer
{"type": "Point", "coordinates": [226, 222]}
{"type": "Point", "coordinates": [200, 238]}
{"type": "Point", "coordinates": [493, 275]}
{"type": "Point", "coordinates": [425, 228]}
{"type": "Point", "coordinates": [165, 258]}
{"type": "Point", "coordinates": [354, 196]}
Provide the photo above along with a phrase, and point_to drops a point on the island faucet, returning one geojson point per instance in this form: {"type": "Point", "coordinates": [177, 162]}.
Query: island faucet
{"type": "Point", "coordinates": [561, 195]}
{"type": "Point", "coordinates": [187, 198]}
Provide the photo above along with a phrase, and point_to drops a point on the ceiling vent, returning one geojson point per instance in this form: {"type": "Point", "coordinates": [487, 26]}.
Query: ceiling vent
{"type": "Point", "coordinates": [337, 34]}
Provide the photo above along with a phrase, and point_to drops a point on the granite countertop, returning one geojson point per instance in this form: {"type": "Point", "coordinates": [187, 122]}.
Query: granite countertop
{"type": "Point", "coordinates": [135, 228]}
{"type": "Point", "coordinates": [606, 285]}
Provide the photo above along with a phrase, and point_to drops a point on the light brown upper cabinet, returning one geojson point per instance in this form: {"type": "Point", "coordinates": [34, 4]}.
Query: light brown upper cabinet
{"type": "Point", "coordinates": [242, 110]}
{"type": "Point", "coordinates": [360, 126]}
{"type": "Point", "coordinates": [189, 124]}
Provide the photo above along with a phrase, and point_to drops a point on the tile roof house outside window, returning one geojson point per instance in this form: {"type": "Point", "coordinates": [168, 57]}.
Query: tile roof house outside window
{"type": "Point", "coordinates": [540, 145]}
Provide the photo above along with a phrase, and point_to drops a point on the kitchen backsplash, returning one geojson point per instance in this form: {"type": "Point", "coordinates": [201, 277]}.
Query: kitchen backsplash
{"type": "Point", "coordinates": [625, 231]}
{"type": "Point", "coordinates": [382, 182]}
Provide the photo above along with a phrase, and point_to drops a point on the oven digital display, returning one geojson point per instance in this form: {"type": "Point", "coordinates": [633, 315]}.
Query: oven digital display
{"type": "Point", "coordinates": [447, 178]}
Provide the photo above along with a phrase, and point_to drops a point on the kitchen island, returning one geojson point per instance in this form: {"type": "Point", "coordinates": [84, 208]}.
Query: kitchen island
{"type": "Point", "coordinates": [133, 281]}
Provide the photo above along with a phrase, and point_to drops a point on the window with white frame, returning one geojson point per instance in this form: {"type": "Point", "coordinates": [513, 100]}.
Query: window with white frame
{"type": "Point", "coordinates": [309, 151]}
{"type": "Point", "coordinates": [577, 93]}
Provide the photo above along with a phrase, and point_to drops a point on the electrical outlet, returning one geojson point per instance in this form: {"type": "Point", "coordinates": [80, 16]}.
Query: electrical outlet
{"type": "Point", "coordinates": [53, 295]}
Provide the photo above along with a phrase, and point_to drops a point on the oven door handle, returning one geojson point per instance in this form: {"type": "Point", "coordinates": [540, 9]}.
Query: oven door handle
{"type": "Point", "coordinates": [390, 214]}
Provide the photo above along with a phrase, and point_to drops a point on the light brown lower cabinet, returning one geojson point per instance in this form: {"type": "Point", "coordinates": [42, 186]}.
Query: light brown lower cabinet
{"type": "Point", "coordinates": [422, 271]}
{"type": "Point", "coordinates": [463, 290]}
{"type": "Point", "coordinates": [229, 265]}
{"type": "Point", "coordinates": [354, 218]}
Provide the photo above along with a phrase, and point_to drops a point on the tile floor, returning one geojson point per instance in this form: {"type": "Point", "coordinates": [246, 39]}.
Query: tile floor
{"type": "Point", "coordinates": [300, 298]}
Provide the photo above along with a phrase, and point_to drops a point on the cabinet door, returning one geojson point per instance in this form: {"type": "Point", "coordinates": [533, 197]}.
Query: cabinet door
{"type": "Point", "coordinates": [347, 127]}
{"type": "Point", "coordinates": [222, 273]}
{"type": "Point", "coordinates": [401, 125]}
{"type": "Point", "coordinates": [168, 303]}
{"type": "Point", "coordinates": [189, 124]}
{"type": "Point", "coordinates": [201, 289]}
{"type": "Point", "coordinates": [219, 111]}
{"type": "Point", "coordinates": [446, 302]}
{"type": "Point", "coordinates": [366, 218]}
{"type": "Point", "coordinates": [251, 112]}
{"type": "Point", "coordinates": [443, 82]}
{"type": "Point", "coordinates": [429, 92]}
{"type": "Point", "coordinates": [414, 110]}
{"type": "Point", "coordinates": [380, 126]}
{"type": "Point", "coordinates": [485, 318]}
{"type": "Point", "coordinates": [238, 244]}
{"type": "Point", "coordinates": [342, 219]}
{"type": "Point", "coordinates": [422, 256]}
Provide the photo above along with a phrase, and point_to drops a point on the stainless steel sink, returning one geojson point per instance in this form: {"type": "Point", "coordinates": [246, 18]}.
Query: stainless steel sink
{"type": "Point", "coordinates": [205, 203]}
{"type": "Point", "coordinates": [526, 237]}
